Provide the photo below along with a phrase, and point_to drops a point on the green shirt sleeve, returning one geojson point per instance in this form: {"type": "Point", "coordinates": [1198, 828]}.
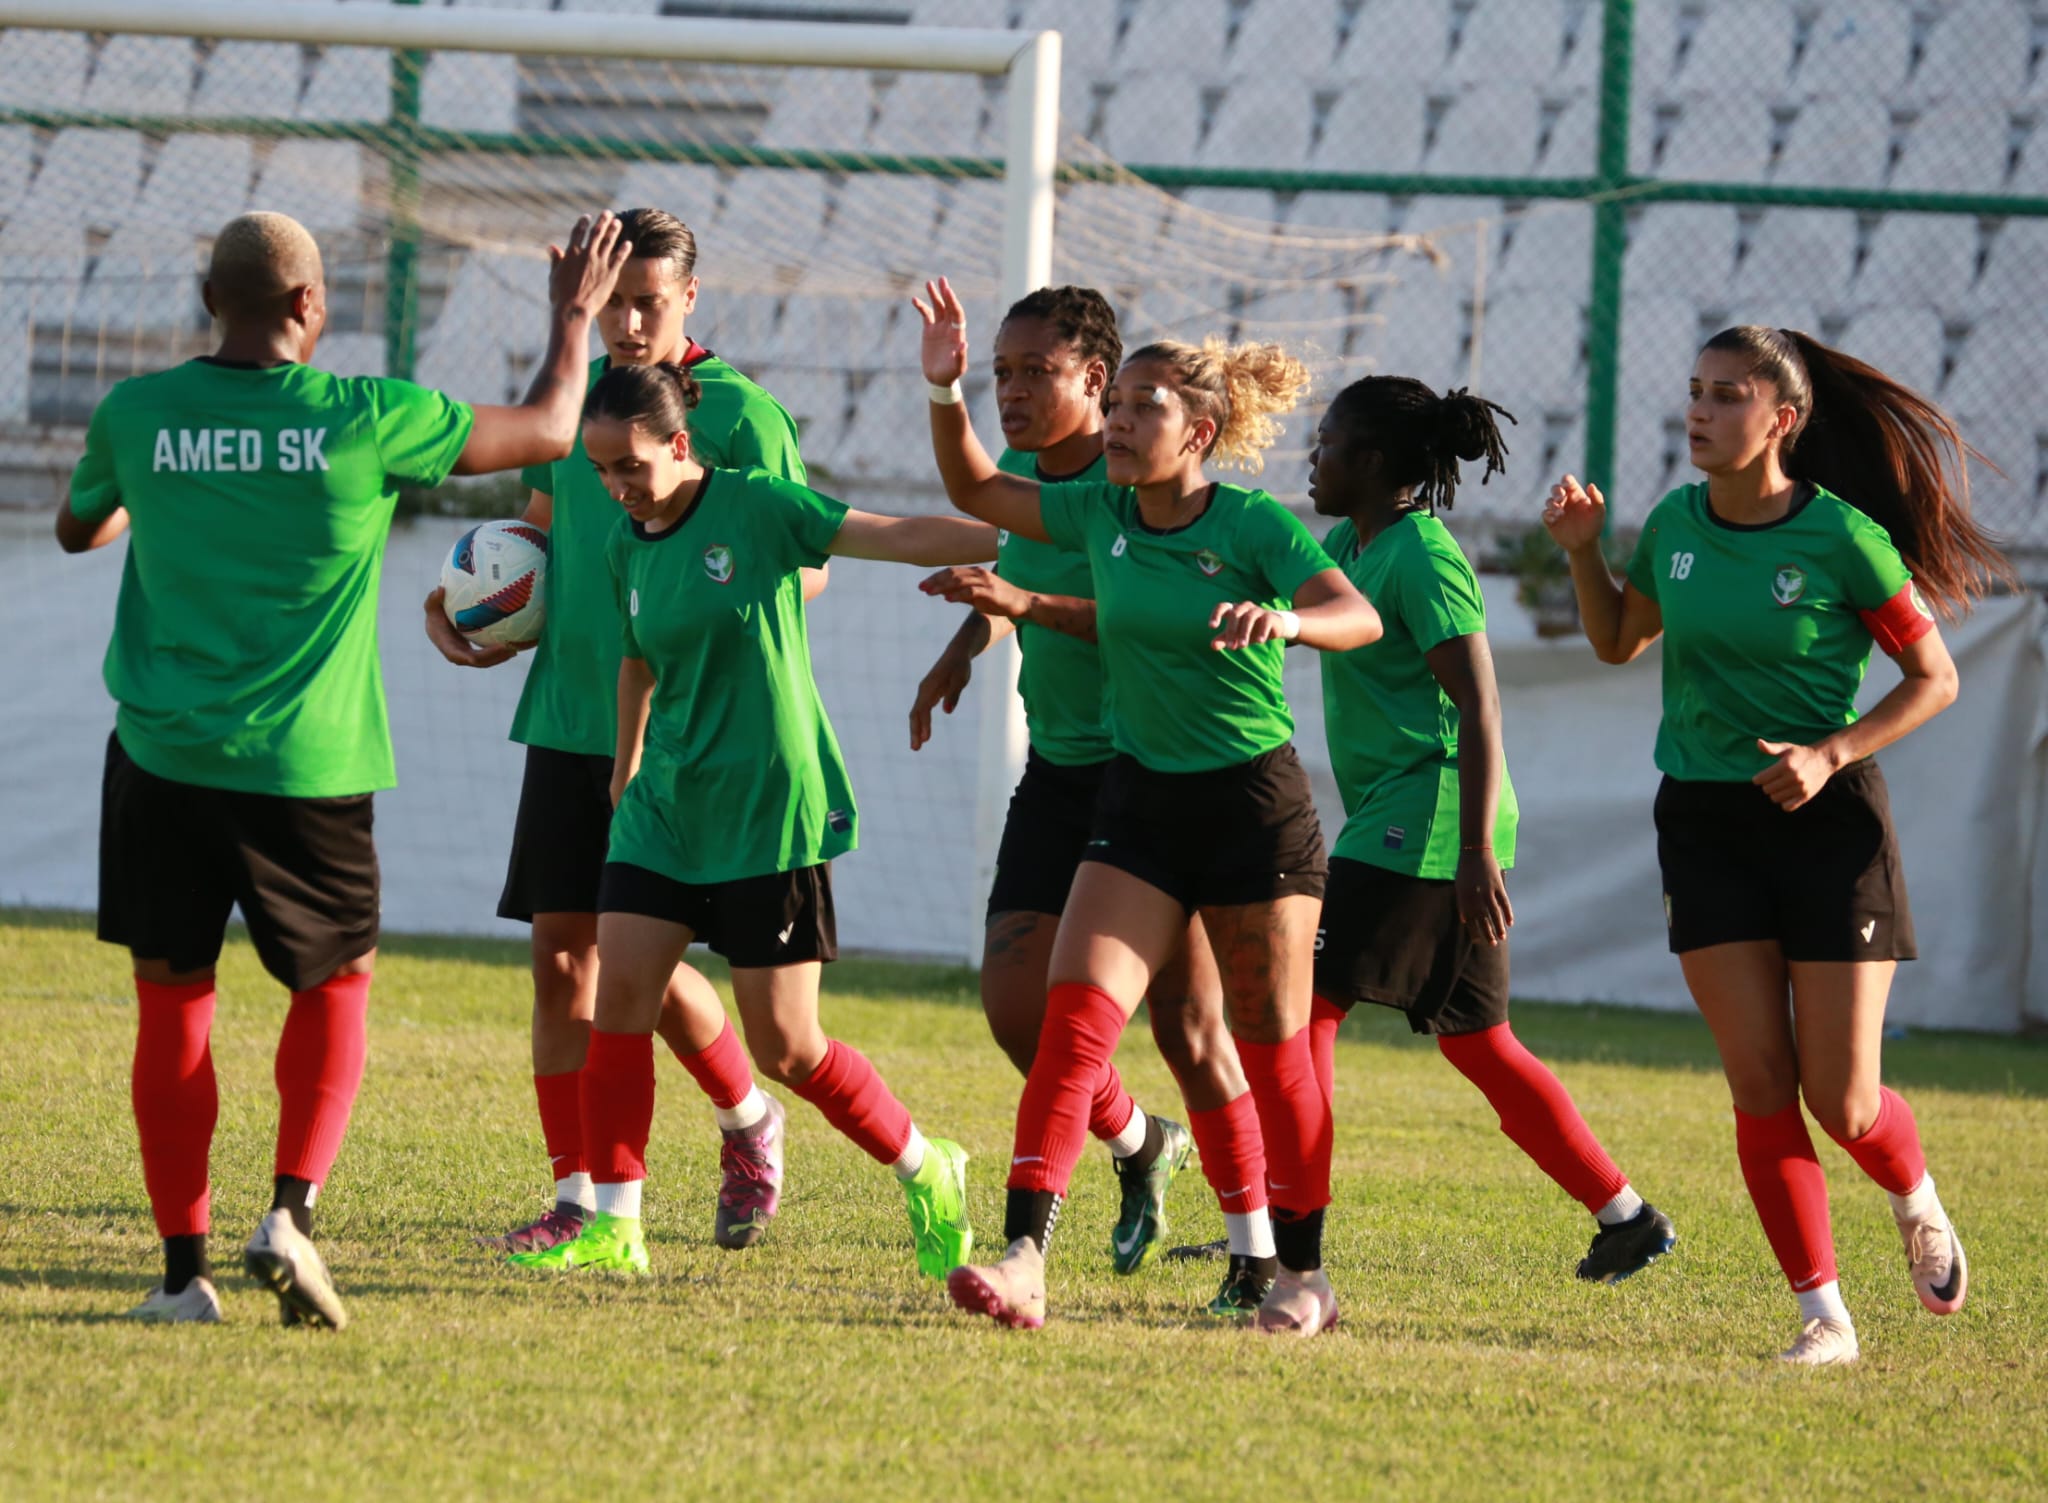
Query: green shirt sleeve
{"type": "Point", "coordinates": [1642, 564]}
{"type": "Point", "coordinates": [94, 493]}
{"type": "Point", "coordinates": [1063, 512]}
{"type": "Point", "coordinates": [539, 477]}
{"type": "Point", "coordinates": [765, 439]}
{"type": "Point", "coordinates": [420, 433]}
{"type": "Point", "coordinates": [807, 520]}
{"type": "Point", "coordinates": [1872, 571]}
{"type": "Point", "coordinates": [1436, 595]}
{"type": "Point", "coordinates": [1286, 551]}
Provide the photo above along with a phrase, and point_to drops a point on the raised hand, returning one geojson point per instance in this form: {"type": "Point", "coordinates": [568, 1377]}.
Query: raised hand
{"type": "Point", "coordinates": [943, 347]}
{"type": "Point", "coordinates": [581, 277]}
{"type": "Point", "coordinates": [1575, 515]}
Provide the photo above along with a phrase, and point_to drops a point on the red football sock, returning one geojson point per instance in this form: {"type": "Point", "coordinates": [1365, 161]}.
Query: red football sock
{"type": "Point", "coordinates": [1294, 1122]}
{"type": "Point", "coordinates": [1082, 1025]}
{"type": "Point", "coordinates": [856, 1100]}
{"type": "Point", "coordinates": [1790, 1193]}
{"type": "Point", "coordinates": [1233, 1155]}
{"type": "Point", "coordinates": [319, 1069]}
{"type": "Point", "coordinates": [561, 1120]}
{"type": "Point", "coordinates": [618, 1105]}
{"type": "Point", "coordinates": [176, 1101]}
{"type": "Point", "coordinates": [1536, 1112]}
{"type": "Point", "coordinates": [721, 1069]}
{"type": "Point", "coordinates": [1324, 1019]}
{"type": "Point", "coordinates": [1110, 1111]}
{"type": "Point", "coordinates": [1890, 1151]}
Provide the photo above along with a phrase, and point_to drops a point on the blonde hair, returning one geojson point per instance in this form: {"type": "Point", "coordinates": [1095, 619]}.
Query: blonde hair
{"type": "Point", "coordinates": [258, 258]}
{"type": "Point", "coordinates": [1239, 386]}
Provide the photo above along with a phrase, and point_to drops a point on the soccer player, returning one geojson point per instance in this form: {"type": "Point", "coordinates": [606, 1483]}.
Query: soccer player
{"type": "Point", "coordinates": [250, 732]}
{"type": "Point", "coordinates": [1416, 915]}
{"type": "Point", "coordinates": [1205, 809]}
{"type": "Point", "coordinates": [1055, 352]}
{"type": "Point", "coordinates": [732, 801]}
{"type": "Point", "coordinates": [568, 719]}
{"type": "Point", "coordinates": [1829, 504]}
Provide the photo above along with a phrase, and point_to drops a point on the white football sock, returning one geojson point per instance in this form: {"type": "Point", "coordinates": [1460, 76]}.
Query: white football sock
{"type": "Point", "coordinates": [1624, 1207]}
{"type": "Point", "coordinates": [1917, 1202]}
{"type": "Point", "coordinates": [1132, 1138]}
{"type": "Point", "coordinates": [1250, 1233]}
{"type": "Point", "coordinates": [622, 1199]}
{"type": "Point", "coordinates": [1823, 1302]}
{"type": "Point", "coordinates": [575, 1190]}
{"type": "Point", "coordinates": [751, 1109]}
{"type": "Point", "coordinates": [911, 1159]}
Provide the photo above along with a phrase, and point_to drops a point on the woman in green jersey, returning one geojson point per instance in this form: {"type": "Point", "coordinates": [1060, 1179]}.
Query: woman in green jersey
{"type": "Point", "coordinates": [1833, 498]}
{"type": "Point", "coordinates": [732, 801]}
{"type": "Point", "coordinates": [1416, 915]}
{"type": "Point", "coordinates": [1205, 808]}
{"type": "Point", "coordinates": [1054, 354]}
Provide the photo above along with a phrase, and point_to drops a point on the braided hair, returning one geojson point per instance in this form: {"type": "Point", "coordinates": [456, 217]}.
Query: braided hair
{"type": "Point", "coordinates": [1080, 316]}
{"type": "Point", "coordinates": [1422, 435]}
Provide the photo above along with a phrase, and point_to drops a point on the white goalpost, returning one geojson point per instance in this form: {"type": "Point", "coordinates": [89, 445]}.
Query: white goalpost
{"type": "Point", "coordinates": [1028, 63]}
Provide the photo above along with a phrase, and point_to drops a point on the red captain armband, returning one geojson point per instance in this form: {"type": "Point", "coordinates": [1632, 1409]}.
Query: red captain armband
{"type": "Point", "coordinates": [1900, 621]}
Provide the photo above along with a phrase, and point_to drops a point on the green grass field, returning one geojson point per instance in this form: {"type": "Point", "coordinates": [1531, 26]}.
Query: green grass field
{"type": "Point", "coordinates": [1469, 1363]}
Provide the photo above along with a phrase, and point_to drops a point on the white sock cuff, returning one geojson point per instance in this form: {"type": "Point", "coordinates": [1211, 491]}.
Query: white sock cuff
{"type": "Point", "coordinates": [575, 1189]}
{"type": "Point", "coordinates": [1132, 1138]}
{"type": "Point", "coordinates": [751, 1108]}
{"type": "Point", "coordinates": [1250, 1233]}
{"type": "Point", "coordinates": [1823, 1302]}
{"type": "Point", "coordinates": [621, 1199]}
{"type": "Point", "coordinates": [1625, 1206]}
{"type": "Point", "coordinates": [911, 1159]}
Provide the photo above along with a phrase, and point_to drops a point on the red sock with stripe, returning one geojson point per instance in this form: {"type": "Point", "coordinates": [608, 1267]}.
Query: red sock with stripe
{"type": "Point", "coordinates": [1082, 1026]}
{"type": "Point", "coordinates": [1294, 1122]}
{"type": "Point", "coordinates": [319, 1070]}
{"type": "Point", "coordinates": [1536, 1112]}
{"type": "Point", "coordinates": [561, 1120]}
{"type": "Point", "coordinates": [177, 1101]}
{"type": "Point", "coordinates": [721, 1069]}
{"type": "Point", "coordinates": [855, 1099]}
{"type": "Point", "coordinates": [618, 1105]}
{"type": "Point", "coordinates": [1790, 1193]}
{"type": "Point", "coordinates": [1890, 1151]}
{"type": "Point", "coordinates": [1233, 1154]}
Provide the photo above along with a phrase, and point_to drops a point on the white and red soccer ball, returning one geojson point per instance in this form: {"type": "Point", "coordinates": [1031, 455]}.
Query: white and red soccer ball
{"type": "Point", "coordinates": [496, 583]}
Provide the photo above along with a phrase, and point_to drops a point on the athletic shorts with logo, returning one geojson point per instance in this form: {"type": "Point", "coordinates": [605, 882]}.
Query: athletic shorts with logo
{"type": "Point", "coordinates": [1397, 940]}
{"type": "Point", "coordinates": [176, 859]}
{"type": "Point", "coordinates": [1823, 880]}
{"type": "Point", "coordinates": [1045, 837]}
{"type": "Point", "coordinates": [756, 923]}
{"type": "Point", "coordinates": [560, 835]}
{"type": "Point", "coordinates": [1235, 835]}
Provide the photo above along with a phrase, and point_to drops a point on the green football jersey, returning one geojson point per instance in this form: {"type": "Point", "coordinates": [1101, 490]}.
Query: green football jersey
{"type": "Point", "coordinates": [570, 702]}
{"type": "Point", "coordinates": [1061, 676]}
{"type": "Point", "coordinates": [1763, 635]}
{"type": "Point", "coordinates": [244, 653]}
{"type": "Point", "coordinates": [740, 775]}
{"type": "Point", "coordinates": [1175, 703]}
{"type": "Point", "coordinates": [1393, 731]}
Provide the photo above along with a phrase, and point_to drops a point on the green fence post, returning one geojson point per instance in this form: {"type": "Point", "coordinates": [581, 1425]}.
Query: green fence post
{"type": "Point", "coordinates": [401, 262]}
{"type": "Point", "coordinates": [1610, 229]}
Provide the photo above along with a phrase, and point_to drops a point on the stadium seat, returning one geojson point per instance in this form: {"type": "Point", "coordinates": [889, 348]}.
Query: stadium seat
{"type": "Point", "coordinates": [614, 7]}
{"type": "Point", "coordinates": [87, 177]}
{"type": "Point", "coordinates": [1459, 226]}
{"type": "Point", "coordinates": [1401, 39]}
{"type": "Point", "coordinates": [1230, 227]}
{"type": "Point", "coordinates": [1373, 127]}
{"type": "Point", "coordinates": [2015, 276]}
{"type": "Point", "coordinates": [1649, 458]}
{"type": "Point", "coordinates": [16, 356]}
{"type": "Point", "coordinates": [1683, 249]}
{"type": "Point", "coordinates": [1308, 320]}
{"type": "Point", "coordinates": [250, 78]}
{"type": "Point", "coordinates": [741, 327]}
{"type": "Point", "coordinates": [1718, 138]}
{"type": "Point", "coordinates": [146, 277]}
{"type": "Point", "coordinates": [1509, 39]}
{"type": "Point", "coordinates": [1738, 44]}
{"type": "Point", "coordinates": [992, 15]}
{"type": "Point", "coordinates": [1572, 149]}
{"type": "Point", "coordinates": [348, 83]}
{"type": "Point", "coordinates": [768, 210]}
{"type": "Point", "coordinates": [688, 190]}
{"type": "Point", "coordinates": [820, 107]}
{"type": "Point", "coordinates": [816, 399]}
{"type": "Point", "coordinates": [1977, 51]}
{"type": "Point", "coordinates": [1904, 343]}
{"type": "Point", "coordinates": [1292, 31]}
{"type": "Point", "coordinates": [1858, 48]}
{"type": "Point", "coordinates": [1488, 130]}
{"type": "Point", "coordinates": [136, 75]}
{"type": "Point", "coordinates": [1550, 250]}
{"type": "Point", "coordinates": [1798, 253]}
{"type": "Point", "coordinates": [889, 406]}
{"type": "Point", "coordinates": [1087, 31]}
{"type": "Point", "coordinates": [1420, 330]}
{"type": "Point", "coordinates": [1530, 346]}
{"type": "Point", "coordinates": [43, 69]}
{"type": "Point", "coordinates": [352, 354]}
{"type": "Point", "coordinates": [318, 183]}
{"type": "Point", "coordinates": [468, 351]}
{"type": "Point", "coordinates": [1184, 37]}
{"type": "Point", "coordinates": [1838, 143]}
{"type": "Point", "coordinates": [17, 165]}
{"type": "Point", "coordinates": [198, 183]}
{"type": "Point", "coordinates": [1110, 220]}
{"type": "Point", "coordinates": [970, 236]}
{"type": "Point", "coordinates": [1262, 122]}
{"type": "Point", "coordinates": [1660, 340]}
{"type": "Point", "coordinates": [471, 91]}
{"type": "Point", "coordinates": [935, 114]}
{"type": "Point", "coordinates": [1366, 213]}
{"type": "Point", "coordinates": [42, 265]}
{"type": "Point", "coordinates": [1654, 47]}
{"type": "Point", "coordinates": [1152, 118]}
{"type": "Point", "coordinates": [1928, 259]}
{"type": "Point", "coordinates": [882, 225]}
{"type": "Point", "coordinates": [1774, 313]}
{"type": "Point", "coordinates": [1956, 147]}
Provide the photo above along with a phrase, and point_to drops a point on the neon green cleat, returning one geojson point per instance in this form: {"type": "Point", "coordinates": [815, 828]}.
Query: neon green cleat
{"type": "Point", "coordinates": [937, 1197]}
{"type": "Point", "coordinates": [613, 1243]}
{"type": "Point", "coordinates": [1141, 1218]}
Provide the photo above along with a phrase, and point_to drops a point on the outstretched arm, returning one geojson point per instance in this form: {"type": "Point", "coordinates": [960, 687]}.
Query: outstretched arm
{"type": "Point", "coordinates": [973, 483]}
{"type": "Point", "coordinates": [1327, 613]}
{"type": "Point", "coordinates": [992, 595]}
{"type": "Point", "coordinates": [913, 540]}
{"type": "Point", "coordinates": [1618, 619]}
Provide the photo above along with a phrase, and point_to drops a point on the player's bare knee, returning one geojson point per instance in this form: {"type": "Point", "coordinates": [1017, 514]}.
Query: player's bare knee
{"type": "Point", "coordinates": [1843, 1114]}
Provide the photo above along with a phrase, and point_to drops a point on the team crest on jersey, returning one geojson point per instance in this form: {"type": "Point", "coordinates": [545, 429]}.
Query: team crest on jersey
{"type": "Point", "coordinates": [1788, 584]}
{"type": "Point", "coordinates": [1116, 549]}
{"type": "Point", "coordinates": [633, 603]}
{"type": "Point", "coordinates": [718, 562]}
{"type": "Point", "coordinates": [1208, 563]}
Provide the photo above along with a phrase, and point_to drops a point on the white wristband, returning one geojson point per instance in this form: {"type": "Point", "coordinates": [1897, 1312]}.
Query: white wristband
{"type": "Point", "coordinates": [945, 396]}
{"type": "Point", "coordinates": [1290, 625]}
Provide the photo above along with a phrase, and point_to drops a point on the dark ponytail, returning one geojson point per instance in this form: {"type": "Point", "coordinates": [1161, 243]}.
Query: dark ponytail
{"type": "Point", "coordinates": [658, 398]}
{"type": "Point", "coordinates": [1883, 448]}
{"type": "Point", "coordinates": [1422, 435]}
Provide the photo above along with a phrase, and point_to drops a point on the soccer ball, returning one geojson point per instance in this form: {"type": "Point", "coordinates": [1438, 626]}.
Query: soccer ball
{"type": "Point", "coordinates": [496, 583]}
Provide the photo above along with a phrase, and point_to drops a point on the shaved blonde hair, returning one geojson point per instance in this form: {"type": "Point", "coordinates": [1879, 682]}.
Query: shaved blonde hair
{"type": "Point", "coordinates": [258, 258]}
